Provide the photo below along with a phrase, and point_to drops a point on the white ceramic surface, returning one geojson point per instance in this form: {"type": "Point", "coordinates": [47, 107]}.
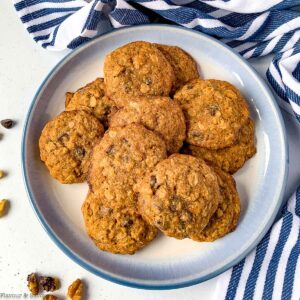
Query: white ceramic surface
{"type": "Point", "coordinates": [166, 262]}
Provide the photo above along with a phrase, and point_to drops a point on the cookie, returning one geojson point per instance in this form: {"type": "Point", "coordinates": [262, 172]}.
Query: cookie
{"type": "Point", "coordinates": [215, 111]}
{"type": "Point", "coordinates": [115, 229]}
{"type": "Point", "coordinates": [91, 98]}
{"type": "Point", "coordinates": [226, 217]}
{"type": "Point", "coordinates": [232, 158]}
{"type": "Point", "coordinates": [66, 143]}
{"type": "Point", "coordinates": [184, 66]}
{"type": "Point", "coordinates": [159, 114]}
{"type": "Point", "coordinates": [137, 69]}
{"type": "Point", "coordinates": [121, 159]}
{"type": "Point", "coordinates": [179, 196]}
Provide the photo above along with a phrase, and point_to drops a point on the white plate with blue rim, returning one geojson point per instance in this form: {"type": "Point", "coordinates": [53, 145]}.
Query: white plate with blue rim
{"type": "Point", "coordinates": [165, 263]}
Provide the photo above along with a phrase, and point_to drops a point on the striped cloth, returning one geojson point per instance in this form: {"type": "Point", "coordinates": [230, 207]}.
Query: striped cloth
{"type": "Point", "coordinates": [254, 28]}
{"type": "Point", "coordinates": [272, 270]}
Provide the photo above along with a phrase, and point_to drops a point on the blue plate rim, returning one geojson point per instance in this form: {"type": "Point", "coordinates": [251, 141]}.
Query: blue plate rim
{"type": "Point", "coordinates": [57, 241]}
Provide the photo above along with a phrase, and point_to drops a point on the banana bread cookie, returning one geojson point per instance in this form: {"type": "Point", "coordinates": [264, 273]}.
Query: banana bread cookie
{"type": "Point", "coordinates": [215, 111]}
{"type": "Point", "coordinates": [159, 114]}
{"type": "Point", "coordinates": [179, 196]}
{"type": "Point", "coordinates": [66, 143]}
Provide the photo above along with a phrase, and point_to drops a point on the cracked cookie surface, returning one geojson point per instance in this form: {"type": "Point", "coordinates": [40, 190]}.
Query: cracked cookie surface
{"type": "Point", "coordinates": [232, 158]}
{"type": "Point", "coordinates": [121, 159]}
{"type": "Point", "coordinates": [91, 98]}
{"type": "Point", "coordinates": [66, 143]}
{"type": "Point", "coordinates": [179, 196]}
{"type": "Point", "coordinates": [137, 69]}
{"type": "Point", "coordinates": [215, 111]}
{"type": "Point", "coordinates": [184, 66]}
{"type": "Point", "coordinates": [226, 217]}
{"type": "Point", "coordinates": [116, 229]}
{"type": "Point", "coordinates": [159, 114]}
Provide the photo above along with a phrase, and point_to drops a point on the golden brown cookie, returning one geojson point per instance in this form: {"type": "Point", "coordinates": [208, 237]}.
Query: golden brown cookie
{"type": "Point", "coordinates": [232, 158]}
{"type": "Point", "coordinates": [159, 114]}
{"type": "Point", "coordinates": [225, 219]}
{"type": "Point", "coordinates": [137, 69]}
{"type": "Point", "coordinates": [116, 229]}
{"type": "Point", "coordinates": [66, 143]}
{"type": "Point", "coordinates": [184, 66]}
{"type": "Point", "coordinates": [179, 196]}
{"type": "Point", "coordinates": [215, 111]}
{"type": "Point", "coordinates": [91, 98]}
{"type": "Point", "coordinates": [121, 159]}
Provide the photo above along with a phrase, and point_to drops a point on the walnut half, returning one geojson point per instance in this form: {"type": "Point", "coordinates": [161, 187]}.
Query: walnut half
{"type": "Point", "coordinates": [50, 297]}
{"type": "Point", "coordinates": [75, 290]}
{"type": "Point", "coordinates": [33, 284]}
{"type": "Point", "coordinates": [3, 207]}
{"type": "Point", "coordinates": [49, 284]}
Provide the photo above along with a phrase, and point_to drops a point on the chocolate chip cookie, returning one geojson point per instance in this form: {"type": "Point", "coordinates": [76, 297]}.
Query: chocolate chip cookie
{"type": "Point", "coordinates": [91, 98]}
{"type": "Point", "coordinates": [179, 196]}
{"type": "Point", "coordinates": [116, 229]}
{"type": "Point", "coordinates": [159, 114]}
{"type": "Point", "coordinates": [229, 159]}
{"type": "Point", "coordinates": [184, 66]}
{"type": "Point", "coordinates": [215, 112]}
{"type": "Point", "coordinates": [66, 143]}
{"type": "Point", "coordinates": [225, 219]}
{"type": "Point", "coordinates": [137, 69]}
{"type": "Point", "coordinates": [121, 159]}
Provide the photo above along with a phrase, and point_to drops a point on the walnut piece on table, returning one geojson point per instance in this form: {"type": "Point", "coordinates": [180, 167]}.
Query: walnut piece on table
{"type": "Point", "coordinates": [33, 284]}
{"type": "Point", "coordinates": [75, 290]}
{"type": "Point", "coordinates": [50, 297]}
{"type": "Point", "coordinates": [49, 284]}
{"type": "Point", "coordinates": [3, 207]}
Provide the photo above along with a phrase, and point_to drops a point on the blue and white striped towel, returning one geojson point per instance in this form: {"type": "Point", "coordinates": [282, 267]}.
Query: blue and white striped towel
{"type": "Point", "coordinates": [272, 270]}
{"type": "Point", "coordinates": [254, 28]}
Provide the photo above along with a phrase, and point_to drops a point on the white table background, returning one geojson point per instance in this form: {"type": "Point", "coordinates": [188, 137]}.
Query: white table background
{"type": "Point", "coordinates": [24, 245]}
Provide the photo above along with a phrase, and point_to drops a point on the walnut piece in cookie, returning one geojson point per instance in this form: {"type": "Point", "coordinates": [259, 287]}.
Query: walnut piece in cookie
{"type": "Point", "coordinates": [137, 69]}
{"type": "Point", "coordinates": [75, 290]}
{"type": "Point", "coordinates": [66, 143]}
{"type": "Point", "coordinates": [49, 284]}
{"type": "Point", "coordinates": [179, 196]}
{"type": "Point", "coordinates": [33, 284]}
{"type": "Point", "coordinates": [159, 114]}
{"type": "Point", "coordinates": [215, 112]}
{"type": "Point", "coordinates": [91, 98]}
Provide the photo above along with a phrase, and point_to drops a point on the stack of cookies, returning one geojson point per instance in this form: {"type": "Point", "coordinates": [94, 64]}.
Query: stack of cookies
{"type": "Point", "coordinates": [124, 135]}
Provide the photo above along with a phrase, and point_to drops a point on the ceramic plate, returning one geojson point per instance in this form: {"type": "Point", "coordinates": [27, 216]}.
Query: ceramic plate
{"type": "Point", "coordinates": [166, 262]}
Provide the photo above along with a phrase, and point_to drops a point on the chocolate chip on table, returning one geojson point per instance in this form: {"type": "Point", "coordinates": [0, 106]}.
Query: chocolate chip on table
{"type": "Point", "coordinates": [7, 123]}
